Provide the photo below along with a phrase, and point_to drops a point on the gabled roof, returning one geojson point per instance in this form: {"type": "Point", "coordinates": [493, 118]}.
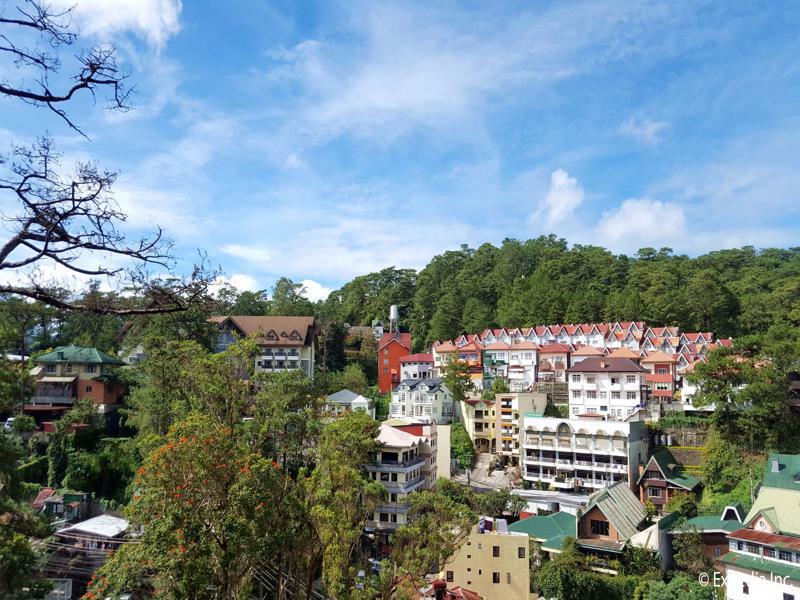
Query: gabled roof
{"type": "Point", "coordinates": [397, 438]}
{"type": "Point", "coordinates": [497, 346]}
{"type": "Point", "coordinates": [422, 357]}
{"type": "Point", "coordinates": [620, 506]}
{"type": "Point", "coordinates": [78, 355]}
{"type": "Point", "coordinates": [445, 347]}
{"type": "Point", "coordinates": [788, 470]}
{"type": "Point", "coordinates": [658, 357]}
{"type": "Point", "coordinates": [606, 364]}
{"type": "Point", "coordinates": [272, 331]}
{"type": "Point", "coordinates": [44, 494]}
{"type": "Point", "coordinates": [524, 345]}
{"type": "Point", "coordinates": [780, 507]}
{"type": "Point", "coordinates": [551, 530]}
{"type": "Point", "coordinates": [553, 349]}
{"type": "Point", "coordinates": [624, 353]}
{"type": "Point", "coordinates": [671, 469]}
{"type": "Point", "coordinates": [346, 397]}
{"type": "Point", "coordinates": [588, 351]}
{"type": "Point", "coordinates": [404, 339]}
{"type": "Point", "coordinates": [472, 345]}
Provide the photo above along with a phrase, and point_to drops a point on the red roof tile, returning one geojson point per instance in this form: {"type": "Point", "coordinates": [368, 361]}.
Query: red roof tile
{"type": "Point", "coordinates": [402, 338]}
{"type": "Point", "coordinates": [422, 357]}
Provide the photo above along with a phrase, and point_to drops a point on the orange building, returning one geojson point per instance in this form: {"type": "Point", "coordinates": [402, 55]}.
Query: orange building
{"type": "Point", "coordinates": [660, 375]}
{"type": "Point", "coordinates": [391, 348]}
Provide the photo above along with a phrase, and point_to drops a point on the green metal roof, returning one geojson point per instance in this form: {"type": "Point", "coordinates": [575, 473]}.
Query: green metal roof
{"type": "Point", "coordinates": [781, 507]}
{"type": "Point", "coordinates": [713, 523]}
{"type": "Point", "coordinates": [77, 354]}
{"type": "Point", "coordinates": [620, 506]}
{"type": "Point", "coordinates": [754, 563]}
{"type": "Point", "coordinates": [672, 470]}
{"type": "Point", "coordinates": [550, 530]}
{"type": "Point", "coordinates": [784, 478]}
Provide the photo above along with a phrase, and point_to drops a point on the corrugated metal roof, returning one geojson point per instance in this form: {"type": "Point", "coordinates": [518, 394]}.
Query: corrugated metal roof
{"type": "Point", "coordinates": [620, 506]}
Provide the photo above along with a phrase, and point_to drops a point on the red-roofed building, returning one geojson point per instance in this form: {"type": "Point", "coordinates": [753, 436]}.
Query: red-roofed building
{"type": "Point", "coordinates": [391, 348]}
{"type": "Point", "coordinates": [661, 375]}
{"type": "Point", "coordinates": [553, 362]}
{"type": "Point", "coordinates": [416, 366]}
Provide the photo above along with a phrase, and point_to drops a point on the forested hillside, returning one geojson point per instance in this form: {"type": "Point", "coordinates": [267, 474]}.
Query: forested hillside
{"type": "Point", "coordinates": [544, 280]}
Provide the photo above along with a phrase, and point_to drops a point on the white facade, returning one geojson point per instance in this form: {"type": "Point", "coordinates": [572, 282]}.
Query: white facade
{"type": "Point", "coordinates": [615, 395]}
{"type": "Point", "coordinates": [581, 455]}
{"type": "Point", "coordinates": [416, 369]}
{"type": "Point", "coordinates": [746, 584]}
{"type": "Point", "coordinates": [427, 400]}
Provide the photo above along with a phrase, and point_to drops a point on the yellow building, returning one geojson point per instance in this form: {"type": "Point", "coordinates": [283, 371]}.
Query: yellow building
{"type": "Point", "coordinates": [508, 408]}
{"type": "Point", "coordinates": [494, 564]}
{"type": "Point", "coordinates": [479, 421]}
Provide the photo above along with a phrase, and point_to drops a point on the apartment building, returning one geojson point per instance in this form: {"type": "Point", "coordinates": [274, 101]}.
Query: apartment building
{"type": "Point", "coordinates": [508, 409]}
{"type": "Point", "coordinates": [74, 372]}
{"type": "Point", "coordinates": [493, 561]}
{"type": "Point", "coordinates": [398, 466]}
{"type": "Point", "coordinates": [285, 343]}
{"type": "Point", "coordinates": [661, 375]}
{"type": "Point", "coordinates": [391, 348]}
{"type": "Point", "coordinates": [582, 454]}
{"type": "Point", "coordinates": [523, 358]}
{"type": "Point", "coordinates": [614, 388]}
{"type": "Point", "coordinates": [479, 417]}
{"type": "Point", "coordinates": [553, 362]}
{"type": "Point", "coordinates": [763, 559]}
{"type": "Point", "coordinates": [427, 400]}
{"type": "Point", "coordinates": [434, 447]}
{"type": "Point", "coordinates": [416, 366]}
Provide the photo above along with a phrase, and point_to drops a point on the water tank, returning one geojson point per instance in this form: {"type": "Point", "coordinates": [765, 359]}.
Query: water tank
{"type": "Point", "coordinates": [394, 313]}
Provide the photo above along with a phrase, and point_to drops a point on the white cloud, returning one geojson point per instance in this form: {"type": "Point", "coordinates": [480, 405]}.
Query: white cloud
{"type": "Point", "coordinates": [154, 20]}
{"type": "Point", "coordinates": [314, 291]}
{"type": "Point", "coordinates": [639, 222]}
{"type": "Point", "coordinates": [240, 281]}
{"type": "Point", "coordinates": [644, 130]}
{"type": "Point", "coordinates": [563, 198]}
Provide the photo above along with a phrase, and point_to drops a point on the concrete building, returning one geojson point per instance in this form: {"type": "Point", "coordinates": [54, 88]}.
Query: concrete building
{"type": "Point", "coordinates": [508, 410]}
{"type": "Point", "coordinates": [405, 463]}
{"type": "Point", "coordinates": [416, 366]}
{"type": "Point", "coordinates": [553, 362]}
{"type": "Point", "coordinates": [582, 454]}
{"type": "Point", "coordinates": [286, 343]}
{"type": "Point", "coordinates": [391, 348]}
{"type": "Point", "coordinates": [479, 418]}
{"type": "Point", "coordinates": [614, 388]}
{"type": "Point", "coordinates": [522, 365]}
{"type": "Point", "coordinates": [493, 562]}
{"type": "Point", "coordinates": [764, 554]}
{"type": "Point", "coordinates": [661, 375]}
{"type": "Point", "coordinates": [428, 400]}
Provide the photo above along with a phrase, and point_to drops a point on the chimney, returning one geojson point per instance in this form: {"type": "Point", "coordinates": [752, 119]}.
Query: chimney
{"type": "Point", "coordinates": [776, 465]}
{"type": "Point", "coordinates": [602, 363]}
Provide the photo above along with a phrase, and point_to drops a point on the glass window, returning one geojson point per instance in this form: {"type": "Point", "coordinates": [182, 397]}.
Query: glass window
{"type": "Point", "coordinates": [521, 552]}
{"type": "Point", "coordinates": [787, 556]}
{"type": "Point", "coordinates": [598, 527]}
{"type": "Point", "coordinates": [450, 577]}
{"type": "Point", "coordinates": [495, 551]}
{"type": "Point", "coordinates": [495, 577]}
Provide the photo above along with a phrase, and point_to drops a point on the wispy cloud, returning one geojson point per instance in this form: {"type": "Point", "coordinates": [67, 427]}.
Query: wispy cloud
{"type": "Point", "coordinates": [645, 131]}
{"type": "Point", "coordinates": [563, 198]}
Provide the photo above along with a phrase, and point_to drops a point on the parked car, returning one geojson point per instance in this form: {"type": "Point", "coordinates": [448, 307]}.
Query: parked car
{"type": "Point", "coordinates": [9, 423]}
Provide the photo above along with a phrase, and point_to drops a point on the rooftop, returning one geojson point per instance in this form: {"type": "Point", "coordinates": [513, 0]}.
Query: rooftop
{"type": "Point", "coordinates": [77, 354]}
{"type": "Point", "coordinates": [272, 331]}
{"type": "Point", "coordinates": [620, 506]}
{"type": "Point", "coordinates": [103, 526]}
{"type": "Point", "coordinates": [606, 364]}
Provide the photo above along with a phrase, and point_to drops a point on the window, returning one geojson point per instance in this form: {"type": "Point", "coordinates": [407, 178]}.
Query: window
{"type": "Point", "coordinates": [788, 596]}
{"type": "Point", "coordinates": [591, 394]}
{"type": "Point", "coordinates": [590, 379]}
{"type": "Point", "coordinates": [384, 517]}
{"type": "Point", "coordinates": [495, 551]}
{"type": "Point", "coordinates": [508, 579]}
{"type": "Point", "coordinates": [521, 552]}
{"type": "Point", "coordinates": [631, 395]}
{"type": "Point", "coordinates": [574, 410]}
{"type": "Point", "coordinates": [654, 492]}
{"type": "Point", "coordinates": [615, 395]}
{"type": "Point", "coordinates": [88, 389]}
{"type": "Point", "coordinates": [787, 556]}
{"type": "Point", "coordinates": [495, 577]}
{"type": "Point", "coordinates": [603, 408]}
{"type": "Point", "coordinates": [68, 368]}
{"type": "Point", "coordinates": [630, 379]}
{"type": "Point", "coordinates": [603, 395]}
{"type": "Point", "coordinates": [385, 370]}
{"type": "Point", "coordinates": [576, 393]}
{"type": "Point", "coordinates": [449, 577]}
{"type": "Point", "coordinates": [769, 552]}
{"type": "Point", "coordinates": [614, 380]}
{"type": "Point", "coordinates": [598, 527]}
{"type": "Point", "coordinates": [752, 548]}
{"type": "Point", "coordinates": [90, 368]}
{"type": "Point", "coordinates": [386, 361]}
{"type": "Point", "coordinates": [717, 551]}
{"type": "Point", "coordinates": [745, 588]}
{"type": "Point", "coordinates": [51, 368]}
{"type": "Point", "coordinates": [662, 371]}
{"type": "Point", "coordinates": [576, 379]}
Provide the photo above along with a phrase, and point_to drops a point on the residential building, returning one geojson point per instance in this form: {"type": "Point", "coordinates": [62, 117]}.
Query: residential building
{"type": "Point", "coordinates": [508, 409]}
{"type": "Point", "coordinates": [391, 348]}
{"type": "Point", "coordinates": [662, 478]}
{"type": "Point", "coordinates": [399, 467]}
{"type": "Point", "coordinates": [549, 530]}
{"type": "Point", "coordinates": [689, 389]}
{"type": "Point", "coordinates": [714, 530]}
{"type": "Point", "coordinates": [611, 387]}
{"type": "Point", "coordinates": [427, 399]}
{"type": "Point", "coordinates": [471, 354]}
{"type": "Point", "coordinates": [522, 365]}
{"type": "Point", "coordinates": [479, 418]}
{"type": "Point", "coordinates": [582, 454]}
{"type": "Point", "coordinates": [434, 447]}
{"type": "Point", "coordinates": [286, 343]}
{"type": "Point", "coordinates": [344, 400]}
{"type": "Point", "coordinates": [496, 356]}
{"type": "Point", "coordinates": [553, 362]}
{"type": "Point", "coordinates": [416, 366]}
{"type": "Point", "coordinates": [661, 375]}
{"type": "Point", "coordinates": [74, 372]}
{"type": "Point", "coordinates": [493, 562]}
{"type": "Point", "coordinates": [763, 555]}
{"type": "Point", "coordinates": [613, 516]}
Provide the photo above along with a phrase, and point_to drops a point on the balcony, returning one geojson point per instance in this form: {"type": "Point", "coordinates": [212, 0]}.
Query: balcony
{"type": "Point", "coordinates": [392, 466]}
{"type": "Point", "coordinates": [403, 487]}
{"type": "Point", "coordinates": [41, 399]}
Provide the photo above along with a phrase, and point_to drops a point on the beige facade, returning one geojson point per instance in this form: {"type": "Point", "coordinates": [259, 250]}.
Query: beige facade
{"type": "Point", "coordinates": [494, 565]}
{"type": "Point", "coordinates": [508, 409]}
{"type": "Point", "coordinates": [479, 417]}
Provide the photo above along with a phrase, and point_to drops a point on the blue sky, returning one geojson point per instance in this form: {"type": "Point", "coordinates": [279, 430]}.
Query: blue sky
{"type": "Point", "coordinates": [325, 140]}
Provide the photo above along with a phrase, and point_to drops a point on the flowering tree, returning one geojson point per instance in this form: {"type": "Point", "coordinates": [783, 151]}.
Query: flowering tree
{"type": "Point", "coordinates": [209, 508]}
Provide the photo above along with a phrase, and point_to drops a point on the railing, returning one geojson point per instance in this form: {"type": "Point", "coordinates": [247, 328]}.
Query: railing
{"type": "Point", "coordinates": [52, 400]}
{"type": "Point", "coordinates": [393, 465]}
